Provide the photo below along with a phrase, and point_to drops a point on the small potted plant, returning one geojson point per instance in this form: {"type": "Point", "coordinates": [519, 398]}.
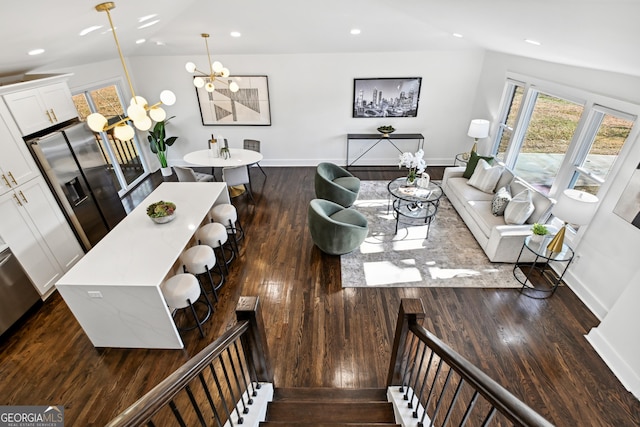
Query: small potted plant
{"type": "Point", "coordinates": [159, 144]}
{"type": "Point", "coordinates": [224, 151]}
{"type": "Point", "coordinates": [161, 212]}
{"type": "Point", "coordinates": [539, 231]}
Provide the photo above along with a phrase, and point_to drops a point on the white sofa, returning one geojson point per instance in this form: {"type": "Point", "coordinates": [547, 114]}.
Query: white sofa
{"type": "Point", "coordinates": [500, 241]}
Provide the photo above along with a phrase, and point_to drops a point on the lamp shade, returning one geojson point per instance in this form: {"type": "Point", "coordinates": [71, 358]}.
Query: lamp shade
{"type": "Point", "coordinates": [575, 207]}
{"type": "Point", "coordinates": [479, 128]}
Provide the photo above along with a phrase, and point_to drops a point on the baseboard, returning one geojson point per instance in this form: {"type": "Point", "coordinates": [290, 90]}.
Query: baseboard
{"type": "Point", "coordinates": [618, 366]}
{"type": "Point", "coordinates": [586, 296]}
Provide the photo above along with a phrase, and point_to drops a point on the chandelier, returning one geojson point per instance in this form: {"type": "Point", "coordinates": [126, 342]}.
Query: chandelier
{"type": "Point", "coordinates": [216, 69]}
{"type": "Point", "coordinates": [139, 111]}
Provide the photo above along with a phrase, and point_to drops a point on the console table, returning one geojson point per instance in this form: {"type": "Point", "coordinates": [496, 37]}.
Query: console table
{"type": "Point", "coordinates": [377, 138]}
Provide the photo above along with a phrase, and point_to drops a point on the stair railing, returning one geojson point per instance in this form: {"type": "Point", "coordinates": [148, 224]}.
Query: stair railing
{"type": "Point", "coordinates": [441, 387]}
{"type": "Point", "coordinates": [214, 387]}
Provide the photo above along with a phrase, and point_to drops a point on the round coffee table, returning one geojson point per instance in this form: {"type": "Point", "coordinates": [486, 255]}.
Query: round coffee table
{"type": "Point", "coordinates": [414, 205]}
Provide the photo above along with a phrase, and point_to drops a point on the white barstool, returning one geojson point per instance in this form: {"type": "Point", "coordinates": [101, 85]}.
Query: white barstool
{"type": "Point", "coordinates": [200, 260]}
{"type": "Point", "coordinates": [215, 235]}
{"type": "Point", "coordinates": [182, 292]}
{"type": "Point", "coordinates": [227, 215]}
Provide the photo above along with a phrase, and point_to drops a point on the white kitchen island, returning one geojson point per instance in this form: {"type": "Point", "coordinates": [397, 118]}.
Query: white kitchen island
{"type": "Point", "coordinates": [114, 290]}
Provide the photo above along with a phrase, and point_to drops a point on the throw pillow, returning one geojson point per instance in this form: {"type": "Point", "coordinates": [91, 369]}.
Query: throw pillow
{"type": "Point", "coordinates": [519, 208]}
{"type": "Point", "coordinates": [500, 201]}
{"type": "Point", "coordinates": [485, 177]}
{"type": "Point", "coordinates": [473, 162]}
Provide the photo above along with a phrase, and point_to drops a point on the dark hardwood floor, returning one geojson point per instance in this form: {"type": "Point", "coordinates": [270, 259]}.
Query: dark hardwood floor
{"type": "Point", "coordinates": [322, 335]}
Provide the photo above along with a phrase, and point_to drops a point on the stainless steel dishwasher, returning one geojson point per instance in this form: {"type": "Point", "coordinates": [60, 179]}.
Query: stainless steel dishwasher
{"type": "Point", "coordinates": [17, 293]}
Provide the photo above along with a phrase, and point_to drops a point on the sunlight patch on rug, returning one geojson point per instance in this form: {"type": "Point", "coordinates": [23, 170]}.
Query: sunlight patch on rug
{"type": "Point", "coordinates": [450, 257]}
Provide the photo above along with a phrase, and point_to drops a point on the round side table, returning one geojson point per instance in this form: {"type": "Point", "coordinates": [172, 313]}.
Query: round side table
{"type": "Point", "coordinates": [543, 257]}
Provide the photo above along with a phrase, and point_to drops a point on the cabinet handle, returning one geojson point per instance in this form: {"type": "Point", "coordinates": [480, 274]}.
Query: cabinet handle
{"type": "Point", "coordinates": [53, 114]}
{"type": "Point", "coordinates": [6, 181]}
{"type": "Point", "coordinates": [13, 179]}
{"type": "Point", "coordinates": [22, 195]}
{"type": "Point", "coordinates": [49, 116]}
{"type": "Point", "coordinates": [17, 200]}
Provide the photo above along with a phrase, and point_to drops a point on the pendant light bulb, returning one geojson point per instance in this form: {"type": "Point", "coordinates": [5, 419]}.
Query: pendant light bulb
{"type": "Point", "coordinates": [158, 114]}
{"type": "Point", "coordinates": [198, 82]}
{"type": "Point", "coordinates": [190, 67]}
{"type": "Point", "coordinates": [167, 97]}
{"type": "Point", "coordinates": [216, 66]}
{"type": "Point", "coordinates": [209, 87]}
{"type": "Point", "coordinates": [136, 112]}
{"type": "Point", "coordinates": [96, 122]}
{"type": "Point", "coordinates": [123, 132]}
{"type": "Point", "coordinates": [143, 124]}
{"type": "Point", "coordinates": [224, 72]}
{"type": "Point", "coordinates": [233, 87]}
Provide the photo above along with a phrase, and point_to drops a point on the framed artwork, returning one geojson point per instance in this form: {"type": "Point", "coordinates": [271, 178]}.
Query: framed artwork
{"type": "Point", "coordinates": [249, 106]}
{"type": "Point", "coordinates": [628, 206]}
{"type": "Point", "coordinates": [386, 97]}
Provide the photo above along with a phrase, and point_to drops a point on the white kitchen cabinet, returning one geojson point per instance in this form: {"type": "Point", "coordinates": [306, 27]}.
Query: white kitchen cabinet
{"type": "Point", "coordinates": [41, 107]}
{"type": "Point", "coordinates": [16, 163]}
{"type": "Point", "coordinates": [36, 231]}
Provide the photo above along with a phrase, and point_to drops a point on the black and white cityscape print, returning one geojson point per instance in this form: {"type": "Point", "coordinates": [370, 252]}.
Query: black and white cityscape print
{"type": "Point", "coordinates": [386, 97]}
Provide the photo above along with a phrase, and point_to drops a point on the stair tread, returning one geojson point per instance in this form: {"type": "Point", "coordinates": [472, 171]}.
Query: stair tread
{"type": "Point", "coordinates": [330, 411]}
{"type": "Point", "coordinates": [330, 394]}
{"type": "Point", "coordinates": [316, 424]}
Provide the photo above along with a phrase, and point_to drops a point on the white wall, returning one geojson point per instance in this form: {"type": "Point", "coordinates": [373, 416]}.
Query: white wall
{"type": "Point", "coordinates": [311, 101]}
{"type": "Point", "coordinates": [604, 271]}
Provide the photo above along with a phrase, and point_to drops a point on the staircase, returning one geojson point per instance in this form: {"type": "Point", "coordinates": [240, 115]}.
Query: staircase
{"type": "Point", "coordinates": [329, 407]}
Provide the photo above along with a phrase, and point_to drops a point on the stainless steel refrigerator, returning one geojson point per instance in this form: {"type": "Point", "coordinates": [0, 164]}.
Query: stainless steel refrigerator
{"type": "Point", "coordinates": [81, 179]}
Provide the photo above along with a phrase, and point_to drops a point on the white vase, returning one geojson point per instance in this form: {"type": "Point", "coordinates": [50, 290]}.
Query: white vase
{"type": "Point", "coordinates": [167, 171]}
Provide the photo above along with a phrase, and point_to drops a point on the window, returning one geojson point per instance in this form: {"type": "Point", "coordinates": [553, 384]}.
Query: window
{"type": "Point", "coordinates": [557, 137]}
{"type": "Point", "coordinates": [608, 130]}
{"type": "Point", "coordinates": [507, 124]}
{"type": "Point", "coordinates": [552, 122]}
{"type": "Point", "coordinates": [123, 157]}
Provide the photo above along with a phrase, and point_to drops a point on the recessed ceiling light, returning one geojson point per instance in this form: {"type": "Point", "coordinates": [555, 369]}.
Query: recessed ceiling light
{"type": "Point", "coordinates": [355, 31]}
{"type": "Point", "coordinates": [35, 52]}
{"type": "Point", "coordinates": [140, 41]}
{"type": "Point", "coordinates": [90, 29]}
{"type": "Point", "coordinates": [235, 34]}
{"type": "Point", "coordinates": [148, 24]}
{"type": "Point", "coordinates": [458, 35]}
{"type": "Point", "coordinates": [533, 42]}
{"type": "Point", "coordinates": [146, 18]}
{"type": "Point", "coordinates": [160, 43]}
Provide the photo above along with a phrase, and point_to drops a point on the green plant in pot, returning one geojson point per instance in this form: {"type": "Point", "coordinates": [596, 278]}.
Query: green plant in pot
{"type": "Point", "coordinates": [539, 231]}
{"type": "Point", "coordinates": [159, 144]}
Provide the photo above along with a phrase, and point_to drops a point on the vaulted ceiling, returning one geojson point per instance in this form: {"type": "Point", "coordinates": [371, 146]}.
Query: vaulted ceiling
{"type": "Point", "coordinates": [599, 34]}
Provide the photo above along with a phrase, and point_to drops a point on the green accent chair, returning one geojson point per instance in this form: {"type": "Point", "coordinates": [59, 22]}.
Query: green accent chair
{"type": "Point", "coordinates": [336, 184]}
{"type": "Point", "coordinates": [336, 230]}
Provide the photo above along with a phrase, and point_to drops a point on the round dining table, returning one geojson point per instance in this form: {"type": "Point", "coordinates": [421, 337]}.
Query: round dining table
{"type": "Point", "coordinates": [238, 157]}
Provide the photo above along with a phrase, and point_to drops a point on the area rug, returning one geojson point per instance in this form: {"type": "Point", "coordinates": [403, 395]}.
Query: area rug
{"type": "Point", "coordinates": [449, 257]}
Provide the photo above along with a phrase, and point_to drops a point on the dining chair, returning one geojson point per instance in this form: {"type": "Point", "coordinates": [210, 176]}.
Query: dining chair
{"type": "Point", "coordinates": [189, 175]}
{"type": "Point", "coordinates": [253, 145]}
{"type": "Point", "coordinates": [238, 176]}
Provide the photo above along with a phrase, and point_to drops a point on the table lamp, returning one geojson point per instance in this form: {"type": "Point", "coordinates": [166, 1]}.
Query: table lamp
{"type": "Point", "coordinates": [573, 207]}
{"type": "Point", "coordinates": [478, 128]}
